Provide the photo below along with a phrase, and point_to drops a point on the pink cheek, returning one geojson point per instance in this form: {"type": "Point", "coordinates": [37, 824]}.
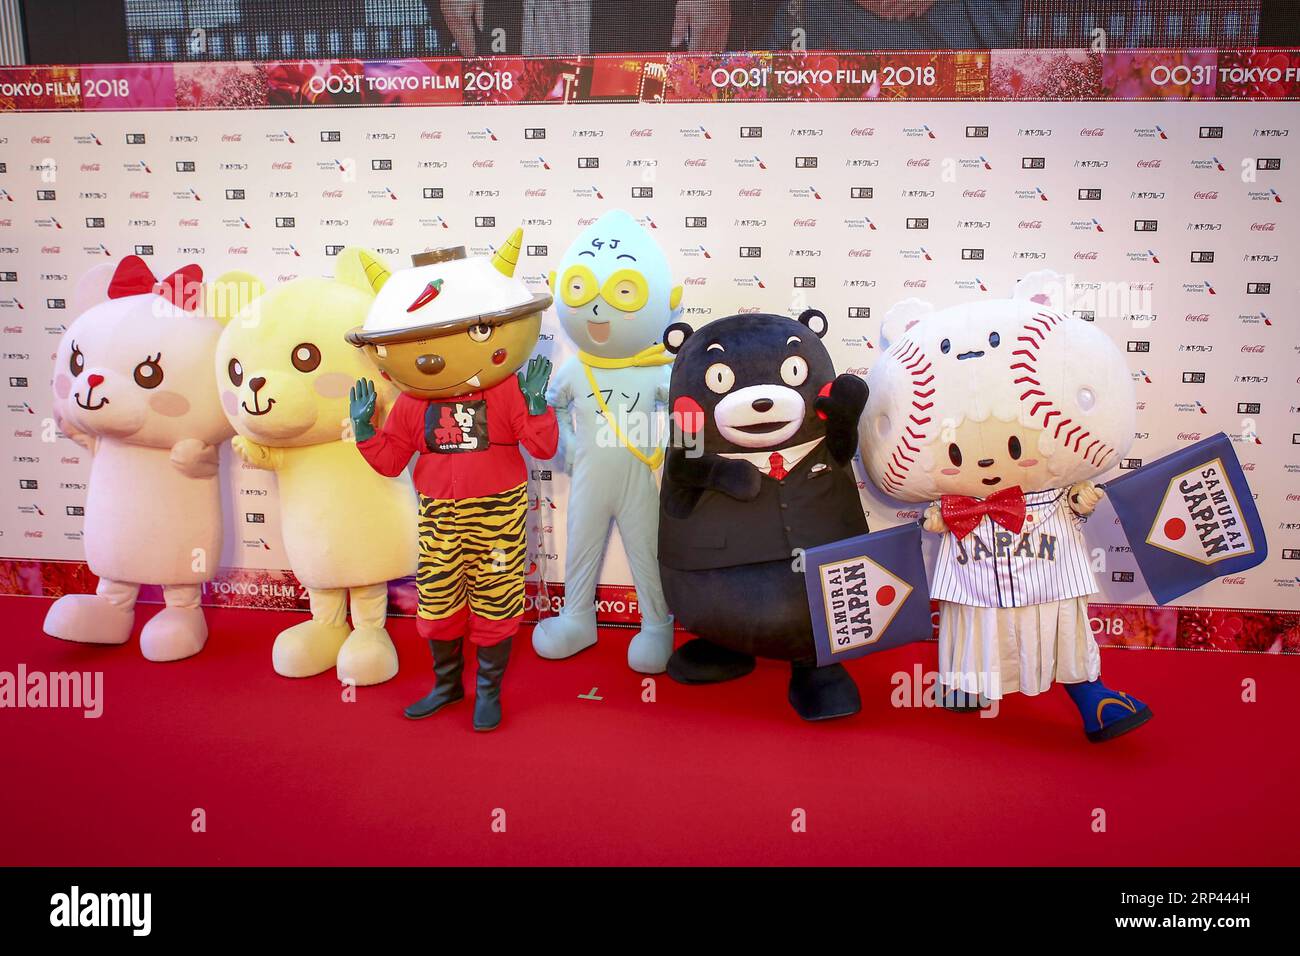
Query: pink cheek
{"type": "Point", "coordinates": [1028, 463]}
{"type": "Point", "coordinates": [170, 404]}
{"type": "Point", "coordinates": [332, 385]}
{"type": "Point", "coordinates": [950, 472]}
{"type": "Point", "coordinates": [230, 402]}
{"type": "Point", "coordinates": [688, 415]}
{"type": "Point", "coordinates": [62, 385]}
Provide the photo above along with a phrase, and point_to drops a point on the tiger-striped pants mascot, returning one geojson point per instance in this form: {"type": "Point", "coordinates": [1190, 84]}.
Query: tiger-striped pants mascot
{"type": "Point", "coordinates": [470, 578]}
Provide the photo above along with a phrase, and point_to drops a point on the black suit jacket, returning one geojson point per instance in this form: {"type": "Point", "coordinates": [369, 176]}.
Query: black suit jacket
{"type": "Point", "coordinates": [816, 503]}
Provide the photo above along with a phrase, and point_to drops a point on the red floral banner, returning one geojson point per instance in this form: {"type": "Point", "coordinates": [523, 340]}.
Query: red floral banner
{"type": "Point", "coordinates": [976, 75]}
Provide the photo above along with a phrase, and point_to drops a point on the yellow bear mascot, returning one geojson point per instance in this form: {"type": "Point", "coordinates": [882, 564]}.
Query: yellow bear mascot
{"type": "Point", "coordinates": [283, 373]}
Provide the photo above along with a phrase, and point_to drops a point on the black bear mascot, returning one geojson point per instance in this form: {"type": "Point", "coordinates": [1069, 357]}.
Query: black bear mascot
{"type": "Point", "coordinates": [760, 469]}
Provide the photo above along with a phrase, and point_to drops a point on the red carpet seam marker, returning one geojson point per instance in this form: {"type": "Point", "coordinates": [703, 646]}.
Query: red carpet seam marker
{"type": "Point", "coordinates": [590, 695]}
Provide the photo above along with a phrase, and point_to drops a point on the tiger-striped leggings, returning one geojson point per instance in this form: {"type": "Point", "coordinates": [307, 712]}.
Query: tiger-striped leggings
{"type": "Point", "coordinates": [470, 577]}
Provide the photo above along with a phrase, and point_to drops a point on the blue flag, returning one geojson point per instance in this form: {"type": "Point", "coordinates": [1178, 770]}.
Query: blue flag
{"type": "Point", "coordinates": [1190, 517]}
{"type": "Point", "coordinates": [867, 593]}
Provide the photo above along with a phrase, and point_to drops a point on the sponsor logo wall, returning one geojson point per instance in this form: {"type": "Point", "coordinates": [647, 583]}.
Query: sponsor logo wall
{"type": "Point", "coordinates": [1156, 182]}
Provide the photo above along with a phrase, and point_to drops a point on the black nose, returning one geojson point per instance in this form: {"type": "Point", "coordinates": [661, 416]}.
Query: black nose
{"type": "Point", "coordinates": [985, 462]}
{"type": "Point", "coordinates": [430, 364]}
{"type": "Point", "coordinates": [761, 404]}
{"type": "Point", "coordinates": [256, 384]}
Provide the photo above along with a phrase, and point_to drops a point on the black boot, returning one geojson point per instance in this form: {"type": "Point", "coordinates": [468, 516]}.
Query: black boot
{"type": "Point", "coordinates": [820, 693]}
{"type": "Point", "coordinates": [487, 697]}
{"type": "Point", "coordinates": [448, 666]}
{"type": "Point", "coordinates": [702, 662]}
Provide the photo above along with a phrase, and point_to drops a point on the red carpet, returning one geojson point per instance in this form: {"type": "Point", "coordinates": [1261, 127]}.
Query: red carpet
{"type": "Point", "coordinates": [288, 773]}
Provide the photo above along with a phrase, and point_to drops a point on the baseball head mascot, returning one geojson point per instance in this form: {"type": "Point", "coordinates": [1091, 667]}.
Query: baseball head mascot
{"type": "Point", "coordinates": [761, 469]}
{"type": "Point", "coordinates": [450, 334]}
{"type": "Point", "coordinates": [999, 413]}
{"type": "Point", "coordinates": [133, 386]}
{"type": "Point", "coordinates": [284, 373]}
{"type": "Point", "coordinates": [615, 299]}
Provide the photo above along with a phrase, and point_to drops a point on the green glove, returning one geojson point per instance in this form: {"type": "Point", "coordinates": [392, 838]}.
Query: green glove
{"type": "Point", "coordinates": [361, 406]}
{"type": "Point", "coordinates": [533, 383]}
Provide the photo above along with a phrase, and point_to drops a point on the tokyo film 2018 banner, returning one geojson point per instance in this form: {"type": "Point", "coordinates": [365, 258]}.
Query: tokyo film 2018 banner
{"type": "Point", "coordinates": [1155, 181]}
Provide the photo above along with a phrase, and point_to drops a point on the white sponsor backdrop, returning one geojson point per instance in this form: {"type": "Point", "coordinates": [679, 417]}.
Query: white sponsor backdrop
{"type": "Point", "coordinates": [773, 207]}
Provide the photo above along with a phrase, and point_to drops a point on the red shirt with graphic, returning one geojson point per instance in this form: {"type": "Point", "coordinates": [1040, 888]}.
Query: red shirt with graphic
{"type": "Point", "coordinates": [468, 445]}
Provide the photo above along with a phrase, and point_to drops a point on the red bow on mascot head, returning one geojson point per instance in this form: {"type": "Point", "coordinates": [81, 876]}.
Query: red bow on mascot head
{"type": "Point", "coordinates": [181, 288]}
{"type": "Point", "coordinates": [1006, 507]}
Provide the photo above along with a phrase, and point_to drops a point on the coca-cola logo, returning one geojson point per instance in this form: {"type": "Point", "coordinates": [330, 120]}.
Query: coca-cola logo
{"type": "Point", "coordinates": [1148, 164]}
{"type": "Point", "coordinates": [1093, 131]}
{"type": "Point", "coordinates": [1031, 224]}
{"type": "Point", "coordinates": [1252, 349]}
{"type": "Point", "coordinates": [51, 250]}
{"type": "Point", "coordinates": [232, 137]}
{"type": "Point", "coordinates": [863, 131]}
{"type": "Point", "coordinates": [1206, 194]}
{"type": "Point", "coordinates": [806, 223]}
{"type": "Point", "coordinates": [237, 251]}
{"type": "Point", "coordinates": [535, 193]}
{"type": "Point", "coordinates": [282, 164]}
{"type": "Point", "coordinates": [331, 194]}
{"type": "Point", "coordinates": [41, 140]}
{"type": "Point", "coordinates": [90, 167]}
{"type": "Point", "coordinates": [1263, 226]}
{"type": "Point", "coordinates": [644, 132]}
{"type": "Point", "coordinates": [1189, 436]}
{"type": "Point", "coordinates": [382, 221]}
{"type": "Point", "coordinates": [974, 193]}
{"type": "Point", "coordinates": [139, 194]}
{"type": "Point", "coordinates": [1235, 579]}
{"type": "Point", "coordinates": [427, 134]}
{"type": "Point", "coordinates": [859, 253]}
{"type": "Point", "coordinates": [919, 161]}
{"type": "Point", "coordinates": [695, 280]}
{"type": "Point", "coordinates": [484, 163]}
{"type": "Point", "coordinates": [696, 162]}
{"type": "Point", "coordinates": [750, 192]}
{"type": "Point", "coordinates": [1081, 254]}
{"type": "Point", "coordinates": [188, 223]}
{"type": "Point", "coordinates": [1197, 317]}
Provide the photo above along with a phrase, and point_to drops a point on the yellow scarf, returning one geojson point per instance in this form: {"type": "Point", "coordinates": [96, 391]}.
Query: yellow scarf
{"type": "Point", "coordinates": [654, 355]}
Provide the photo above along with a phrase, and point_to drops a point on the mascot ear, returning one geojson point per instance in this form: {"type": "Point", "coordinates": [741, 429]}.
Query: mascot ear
{"type": "Point", "coordinates": [1044, 287]}
{"type": "Point", "coordinates": [92, 288]}
{"type": "Point", "coordinates": [675, 336]}
{"type": "Point", "coordinates": [362, 269]}
{"type": "Point", "coordinates": [816, 321]}
{"type": "Point", "coordinates": [900, 318]}
{"type": "Point", "coordinates": [229, 293]}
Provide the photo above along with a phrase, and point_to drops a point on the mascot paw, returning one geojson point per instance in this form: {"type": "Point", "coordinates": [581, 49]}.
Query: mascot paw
{"type": "Point", "coordinates": [934, 520]}
{"type": "Point", "coordinates": [250, 451]}
{"type": "Point", "coordinates": [307, 649]}
{"type": "Point", "coordinates": [174, 633]}
{"type": "Point", "coordinates": [89, 619]}
{"type": "Point", "coordinates": [702, 662]}
{"type": "Point", "coordinates": [195, 459]}
{"type": "Point", "coordinates": [556, 638]}
{"type": "Point", "coordinates": [820, 693]}
{"type": "Point", "coordinates": [1084, 497]}
{"type": "Point", "coordinates": [650, 648]}
{"type": "Point", "coordinates": [367, 657]}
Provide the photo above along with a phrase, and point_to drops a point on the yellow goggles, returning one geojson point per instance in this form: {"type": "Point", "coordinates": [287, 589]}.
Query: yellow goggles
{"type": "Point", "coordinates": [625, 290]}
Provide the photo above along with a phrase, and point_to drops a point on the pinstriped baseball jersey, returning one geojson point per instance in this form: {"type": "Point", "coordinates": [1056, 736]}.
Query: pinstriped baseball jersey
{"type": "Point", "coordinates": [993, 567]}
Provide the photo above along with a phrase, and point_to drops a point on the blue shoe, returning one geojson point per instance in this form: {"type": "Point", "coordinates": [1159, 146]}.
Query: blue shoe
{"type": "Point", "coordinates": [1106, 713]}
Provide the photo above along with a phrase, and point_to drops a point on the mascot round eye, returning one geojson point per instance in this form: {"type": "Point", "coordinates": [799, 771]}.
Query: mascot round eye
{"type": "Point", "coordinates": [1087, 398]}
{"type": "Point", "coordinates": [794, 371]}
{"type": "Point", "coordinates": [994, 340]}
{"type": "Point", "coordinates": [481, 332]}
{"type": "Point", "coordinates": [626, 290]}
{"type": "Point", "coordinates": [1013, 448]}
{"type": "Point", "coordinates": [945, 346]}
{"type": "Point", "coordinates": [719, 378]}
{"type": "Point", "coordinates": [236, 372]}
{"type": "Point", "coordinates": [149, 374]}
{"type": "Point", "coordinates": [578, 286]}
{"type": "Point", "coordinates": [76, 361]}
{"type": "Point", "coordinates": [306, 357]}
{"type": "Point", "coordinates": [954, 454]}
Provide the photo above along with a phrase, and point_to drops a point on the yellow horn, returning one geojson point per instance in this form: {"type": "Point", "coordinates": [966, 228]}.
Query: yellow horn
{"type": "Point", "coordinates": [507, 257]}
{"type": "Point", "coordinates": [376, 272]}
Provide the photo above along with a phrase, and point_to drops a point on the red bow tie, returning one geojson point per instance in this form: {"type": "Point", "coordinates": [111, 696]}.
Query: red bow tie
{"type": "Point", "coordinates": [1006, 507]}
